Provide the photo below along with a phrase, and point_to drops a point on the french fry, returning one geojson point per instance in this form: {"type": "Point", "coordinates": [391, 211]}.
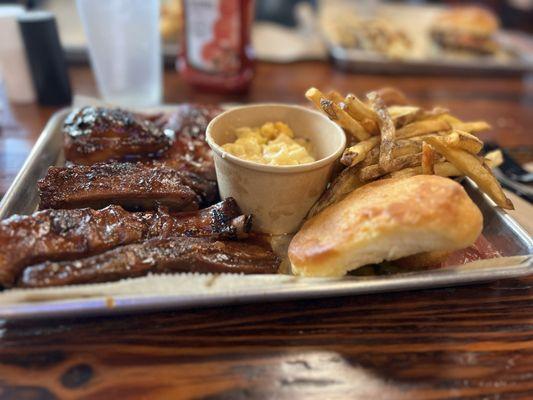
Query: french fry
{"type": "Point", "coordinates": [494, 158]}
{"type": "Point", "coordinates": [358, 109]}
{"type": "Point", "coordinates": [388, 131]}
{"type": "Point", "coordinates": [362, 113]}
{"type": "Point", "coordinates": [375, 171]}
{"type": "Point", "coordinates": [434, 112]}
{"type": "Point", "coordinates": [343, 184]}
{"type": "Point", "coordinates": [445, 169]}
{"type": "Point", "coordinates": [423, 127]}
{"type": "Point", "coordinates": [449, 118]}
{"type": "Point", "coordinates": [403, 115]}
{"type": "Point", "coordinates": [335, 96]}
{"type": "Point", "coordinates": [421, 138]}
{"type": "Point", "coordinates": [464, 140]}
{"type": "Point", "coordinates": [335, 113]}
{"type": "Point", "coordinates": [471, 127]}
{"type": "Point", "coordinates": [405, 172]}
{"type": "Point", "coordinates": [473, 167]}
{"type": "Point", "coordinates": [405, 147]}
{"type": "Point", "coordinates": [428, 159]}
{"type": "Point", "coordinates": [357, 153]}
{"type": "Point", "coordinates": [371, 158]}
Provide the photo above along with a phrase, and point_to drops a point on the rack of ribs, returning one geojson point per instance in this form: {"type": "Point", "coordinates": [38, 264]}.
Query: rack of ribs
{"type": "Point", "coordinates": [155, 256]}
{"type": "Point", "coordinates": [70, 234]}
{"type": "Point", "coordinates": [132, 185]}
{"type": "Point", "coordinates": [94, 134]}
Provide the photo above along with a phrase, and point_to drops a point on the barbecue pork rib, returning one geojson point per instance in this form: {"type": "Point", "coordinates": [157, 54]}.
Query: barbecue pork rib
{"type": "Point", "coordinates": [132, 185]}
{"type": "Point", "coordinates": [189, 150]}
{"type": "Point", "coordinates": [155, 256]}
{"type": "Point", "coordinates": [95, 134]}
{"type": "Point", "coordinates": [70, 234]}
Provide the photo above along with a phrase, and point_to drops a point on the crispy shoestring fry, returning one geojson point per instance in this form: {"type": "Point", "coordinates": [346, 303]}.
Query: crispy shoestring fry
{"type": "Point", "coordinates": [471, 166]}
{"type": "Point", "coordinates": [371, 158]}
{"type": "Point", "coordinates": [405, 172]}
{"type": "Point", "coordinates": [444, 168]}
{"type": "Point", "coordinates": [388, 131]}
{"type": "Point", "coordinates": [375, 171]}
{"type": "Point", "coordinates": [335, 97]}
{"type": "Point", "coordinates": [464, 140]}
{"type": "Point", "coordinates": [362, 113]}
{"type": "Point", "coordinates": [494, 158]}
{"type": "Point", "coordinates": [434, 112]}
{"type": "Point", "coordinates": [405, 147]}
{"type": "Point", "coordinates": [423, 127]}
{"type": "Point", "coordinates": [358, 152]}
{"type": "Point", "coordinates": [335, 113]}
{"type": "Point", "coordinates": [403, 115]}
{"type": "Point", "coordinates": [343, 184]}
{"type": "Point", "coordinates": [471, 127]}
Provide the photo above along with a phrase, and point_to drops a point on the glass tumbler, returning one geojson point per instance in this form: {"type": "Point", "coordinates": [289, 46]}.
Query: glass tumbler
{"type": "Point", "coordinates": [125, 49]}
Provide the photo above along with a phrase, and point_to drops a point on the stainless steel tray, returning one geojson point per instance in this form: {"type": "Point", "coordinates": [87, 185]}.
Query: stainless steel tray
{"type": "Point", "coordinates": [499, 228]}
{"type": "Point", "coordinates": [359, 61]}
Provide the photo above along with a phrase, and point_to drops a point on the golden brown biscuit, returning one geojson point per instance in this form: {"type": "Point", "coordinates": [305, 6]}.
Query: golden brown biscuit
{"type": "Point", "coordinates": [386, 220]}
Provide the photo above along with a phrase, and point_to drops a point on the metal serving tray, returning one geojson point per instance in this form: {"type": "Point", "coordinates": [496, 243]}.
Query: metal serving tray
{"type": "Point", "coordinates": [354, 60]}
{"type": "Point", "coordinates": [186, 290]}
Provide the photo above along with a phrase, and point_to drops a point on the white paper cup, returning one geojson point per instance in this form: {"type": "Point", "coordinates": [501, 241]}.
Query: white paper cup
{"type": "Point", "coordinates": [279, 197]}
{"type": "Point", "coordinates": [14, 69]}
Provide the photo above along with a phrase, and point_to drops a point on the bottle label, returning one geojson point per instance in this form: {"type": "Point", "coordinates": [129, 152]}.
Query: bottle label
{"type": "Point", "coordinates": [213, 34]}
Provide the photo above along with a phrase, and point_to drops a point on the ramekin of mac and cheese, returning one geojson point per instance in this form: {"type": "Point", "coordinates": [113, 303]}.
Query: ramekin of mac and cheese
{"type": "Point", "coordinates": [275, 160]}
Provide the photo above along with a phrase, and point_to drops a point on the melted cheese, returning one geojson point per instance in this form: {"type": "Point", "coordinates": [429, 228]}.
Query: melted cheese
{"type": "Point", "coordinates": [273, 143]}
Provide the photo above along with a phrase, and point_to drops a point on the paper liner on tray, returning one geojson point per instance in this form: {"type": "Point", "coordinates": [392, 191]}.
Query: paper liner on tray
{"type": "Point", "coordinates": [157, 285]}
{"type": "Point", "coordinates": [206, 285]}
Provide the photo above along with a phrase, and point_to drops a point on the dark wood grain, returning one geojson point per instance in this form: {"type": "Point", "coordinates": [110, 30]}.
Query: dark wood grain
{"type": "Point", "coordinates": [472, 342]}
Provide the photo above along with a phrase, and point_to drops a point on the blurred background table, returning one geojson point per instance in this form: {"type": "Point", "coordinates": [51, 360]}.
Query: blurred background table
{"type": "Point", "coordinates": [474, 342]}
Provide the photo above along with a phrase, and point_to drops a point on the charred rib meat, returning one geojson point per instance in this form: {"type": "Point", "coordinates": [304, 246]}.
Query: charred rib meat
{"type": "Point", "coordinates": [190, 151]}
{"type": "Point", "coordinates": [155, 256]}
{"type": "Point", "coordinates": [94, 134]}
{"type": "Point", "coordinates": [134, 186]}
{"type": "Point", "coordinates": [71, 234]}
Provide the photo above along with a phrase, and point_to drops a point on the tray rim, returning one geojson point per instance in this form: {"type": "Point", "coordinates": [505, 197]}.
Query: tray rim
{"type": "Point", "coordinates": [128, 304]}
{"type": "Point", "coordinates": [37, 148]}
{"type": "Point", "coordinates": [347, 58]}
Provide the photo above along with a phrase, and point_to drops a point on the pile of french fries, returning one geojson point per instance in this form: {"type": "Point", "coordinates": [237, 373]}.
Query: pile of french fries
{"type": "Point", "coordinates": [390, 138]}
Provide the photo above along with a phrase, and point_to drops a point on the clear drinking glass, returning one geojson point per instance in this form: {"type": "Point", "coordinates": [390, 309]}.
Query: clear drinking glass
{"type": "Point", "coordinates": [125, 49]}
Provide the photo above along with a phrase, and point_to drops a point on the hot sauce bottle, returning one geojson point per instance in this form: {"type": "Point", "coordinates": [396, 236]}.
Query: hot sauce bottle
{"type": "Point", "coordinates": [216, 53]}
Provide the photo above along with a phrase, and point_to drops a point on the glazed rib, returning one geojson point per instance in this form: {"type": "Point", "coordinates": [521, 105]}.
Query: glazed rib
{"type": "Point", "coordinates": [94, 134]}
{"type": "Point", "coordinates": [133, 186]}
{"type": "Point", "coordinates": [70, 234]}
{"type": "Point", "coordinates": [155, 256]}
{"type": "Point", "coordinates": [189, 150]}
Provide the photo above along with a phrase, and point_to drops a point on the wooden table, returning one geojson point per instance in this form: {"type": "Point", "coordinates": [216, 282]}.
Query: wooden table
{"type": "Point", "coordinates": [474, 342]}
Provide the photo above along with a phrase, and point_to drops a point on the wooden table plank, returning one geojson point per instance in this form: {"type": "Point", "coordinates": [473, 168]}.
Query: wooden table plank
{"type": "Point", "coordinates": [474, 342]}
